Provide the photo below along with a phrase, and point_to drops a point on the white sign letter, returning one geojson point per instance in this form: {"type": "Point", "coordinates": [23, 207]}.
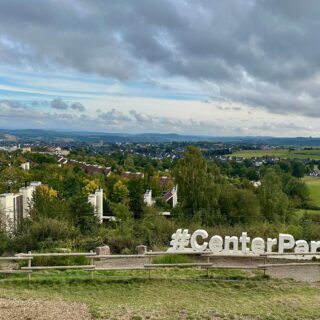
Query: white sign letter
{"type": "Point", "coordinates": [216, 244]}
{"type": "Point", "coordinates": [235, 243]}
{"type": "Point", "coordinates": [301, 247]}
{"type": "Point", "coordinates": [270, 244]}
{"type": "Point", "coordinates": [257, 246]}
{"type": "Point", "coordinates": [315, 245]}
{"type": "Point", "coordinates": [286, 241]}
{"type": "Point", "coordinates": [194, 244]}
{"type": "Point", "coordinates": [244, 240]}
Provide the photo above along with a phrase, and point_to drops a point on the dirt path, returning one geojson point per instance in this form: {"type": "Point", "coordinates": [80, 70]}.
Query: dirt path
{"type": "Point", "coordinates": [16, 309]}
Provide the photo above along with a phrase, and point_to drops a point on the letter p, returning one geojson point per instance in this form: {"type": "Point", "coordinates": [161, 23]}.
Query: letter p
{"type": "Point", "coordinates": [286, 241]}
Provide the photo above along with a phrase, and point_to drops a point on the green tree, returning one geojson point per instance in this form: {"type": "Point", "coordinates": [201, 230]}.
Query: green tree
{"type": "Point", "coordinates": [120, 192]}
{"type": "Point", "coordinates": [82, 214]}
{"type": "Point", "coordinates": [197, 190]}
{"type": "Point", "coordinates": [48, 205]}
{"type": "Point", "coordinates": [298, 169]}
{"type": "Point", "coordinates": [274, 202]}
{"type": "Point", "coordinates": [136, 190]}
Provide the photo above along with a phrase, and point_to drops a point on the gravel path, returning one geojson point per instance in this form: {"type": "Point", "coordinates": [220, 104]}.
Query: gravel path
{"type": "Point", "coordinates": [16, 309]}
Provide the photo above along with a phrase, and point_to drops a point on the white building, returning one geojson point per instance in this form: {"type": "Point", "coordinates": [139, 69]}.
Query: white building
{"type": "Point", "coordinates": [11, 211]}
{"type": "Point", "coordinates": [147, 198]}
{"type": "Point", "coordinates": [25, 166]}
{"type": "Point", "coordinates": [27, 192]}
{"type": "Point", "coordinates": [96, 200]}
{"type": "Point", "coordinates": [26, 149]}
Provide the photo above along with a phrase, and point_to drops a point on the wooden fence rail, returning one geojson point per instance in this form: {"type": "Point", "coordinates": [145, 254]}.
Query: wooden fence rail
{"type": "Point", "coordinates": [92, 257]}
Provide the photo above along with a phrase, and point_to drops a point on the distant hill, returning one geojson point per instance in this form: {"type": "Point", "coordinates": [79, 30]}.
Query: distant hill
{"type": "Point", "coordinates": [56, 136]}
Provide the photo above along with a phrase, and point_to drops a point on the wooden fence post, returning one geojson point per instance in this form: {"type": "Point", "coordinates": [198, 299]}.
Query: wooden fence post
{"type": "Point", "coordinates": [29, 266]}
{"type": "Point", "coordinates": [91, 263]}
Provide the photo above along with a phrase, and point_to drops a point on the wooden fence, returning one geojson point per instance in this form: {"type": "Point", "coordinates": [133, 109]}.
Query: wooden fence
{"type": "Point", "coordinates": [209, 264]}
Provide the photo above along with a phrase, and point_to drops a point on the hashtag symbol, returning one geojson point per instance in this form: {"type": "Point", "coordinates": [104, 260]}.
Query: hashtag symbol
{"type": "Point", "coordinates": [180, 240]}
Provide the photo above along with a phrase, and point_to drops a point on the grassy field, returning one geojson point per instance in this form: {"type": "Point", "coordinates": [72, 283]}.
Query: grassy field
{"type": "Point", "coordinates": [280, 153]}
{"type": "Point", "coordinates": [313, 184]}
{"type": "Point", "coordinates": [226, 295]}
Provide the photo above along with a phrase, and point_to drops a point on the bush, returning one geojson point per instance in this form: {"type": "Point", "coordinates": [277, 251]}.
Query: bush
{"type": "Point", "coordinates": [5, 242]}
{"type": "Point", "coordinates": [44, 234]}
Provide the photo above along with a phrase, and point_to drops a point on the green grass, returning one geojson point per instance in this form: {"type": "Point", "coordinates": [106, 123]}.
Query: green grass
{"type": "Point", "coordinates": [313, 184]}
{"type": "Point", "coordinates": [280, 153]}
{"type": "Point", "coordinates": [161, 298]}
{"type": "Point", "coordinates": [173, 258]}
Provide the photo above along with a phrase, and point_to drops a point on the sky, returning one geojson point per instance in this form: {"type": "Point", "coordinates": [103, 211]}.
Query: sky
{"type": "Point", "coordinates": [205, 67]}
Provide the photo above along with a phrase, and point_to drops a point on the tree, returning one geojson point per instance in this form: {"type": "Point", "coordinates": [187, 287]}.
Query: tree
{"type": "Point", "coordinates": [91, 186]}
{"type": "Point", "coordinates": [135, 187]}
{"type": "Point", "coordinates": [238, 205]}
{"type": "Point", "coordinates": [46, 204]}
{"type": "Point", "coordinates": [197, 190]}
{"type": "Point", "coordinates": [298, 169]}
{"type": "Point", "coordinates": [82, 215]}
{"type": "Point", "coordinates": [296, 189]}
{"type": "Point", "coordinates": [274, 202]}
{"type": "Point", "coordinates": [11, 179]}
{"type": "Point", "coordinates": [120, 192]}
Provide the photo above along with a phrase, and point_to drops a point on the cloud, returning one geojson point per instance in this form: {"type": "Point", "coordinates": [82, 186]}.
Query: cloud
{"type": "Point", "coordinates": [260, 53]}
{"type": "Point", "coordinates": [77, 106]}
{"type": "Point", "coordinates": [141, 117]}
{"type": "Point", "coordinates": [132, 121]}
{"type": "Point", "coordinates": [59, 104]}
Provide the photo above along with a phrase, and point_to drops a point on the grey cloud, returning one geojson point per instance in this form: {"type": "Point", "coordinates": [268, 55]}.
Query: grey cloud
{"type": "Point", "coordinates": [59, 104]}
{"type": "Point", "coordinates": [264, 53]}
{"type": "Point", "coordinates": [113, 115]}
{"type": "Point", "coordinates": [141, 117]}
{"type": "Point", "coordinates": [77, 106]}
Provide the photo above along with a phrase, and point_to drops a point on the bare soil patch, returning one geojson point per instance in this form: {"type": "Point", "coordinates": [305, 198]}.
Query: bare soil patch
{"type": "Point", "coordinates": [17, 309]}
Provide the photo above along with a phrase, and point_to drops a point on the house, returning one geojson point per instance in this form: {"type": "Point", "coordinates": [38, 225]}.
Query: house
{"type": "Point", "coordinates": [147, 198]}
{"type": "Point", "coordinates": [25, 166]}
{"type": "Point", "coordinates": [171, 197]}
{"type": "Point", "coordinates": [164, 180]}
{"type": "Point", "coordinates": [11, 211]}
{"type": "Point", "coordinates": [26, 149]}
{"type": "Point", "coordinates": [14, 207]}
{"type": "Point", "coordinates": [96, 200]}
{"type": "Point", "coordinates": [88, 168]}
{"type": "Point", "coordinates": [27, 192]}
{"type": "Point", "coordinates": [132, 175]}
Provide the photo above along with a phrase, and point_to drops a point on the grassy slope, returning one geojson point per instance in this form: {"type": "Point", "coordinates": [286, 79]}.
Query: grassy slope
{"type": "Point", "coordinates": [313, 184]}
{"type": "Point", "coordinates": [282, 153]}
{"type": "Point", "coordinates": [177, 299]}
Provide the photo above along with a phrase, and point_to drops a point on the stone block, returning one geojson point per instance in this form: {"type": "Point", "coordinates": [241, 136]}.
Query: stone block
{"type": "Point", "coordinates": [103, 251]}
{"type": "Point", "coordinates": [141, 249]}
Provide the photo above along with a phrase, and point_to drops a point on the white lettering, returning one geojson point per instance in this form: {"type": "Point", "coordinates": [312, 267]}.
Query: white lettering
{"type": "Point", "coordinates": [244, 239]}
{"type": "Point", "coordinates": [216, 244]}
{"type": "Point", "coordinates": [286, 242]}
{"type": "Point", "coordinates": [315, 245]}
{"type": "Point", "coordinates": [258, 246]}
{"type": "Point", "coordinates": [194, 243]}
{"type": "Point", "coordinates": [181, 241]}
{"type": "Point", "coordinates": [231, 240]}
{"type": "Point", "coordinates": [301, 246]}
{"type": "Point", "coordinates": [270, 244]}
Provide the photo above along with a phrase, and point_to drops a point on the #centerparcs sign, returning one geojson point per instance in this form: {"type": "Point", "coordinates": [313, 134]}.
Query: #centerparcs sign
{"type": "Point", "coordinates": [199, 241]}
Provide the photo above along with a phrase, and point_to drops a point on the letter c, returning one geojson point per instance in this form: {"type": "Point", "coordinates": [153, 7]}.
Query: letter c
{"type": "Point", "coordinates": [194, 244]}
